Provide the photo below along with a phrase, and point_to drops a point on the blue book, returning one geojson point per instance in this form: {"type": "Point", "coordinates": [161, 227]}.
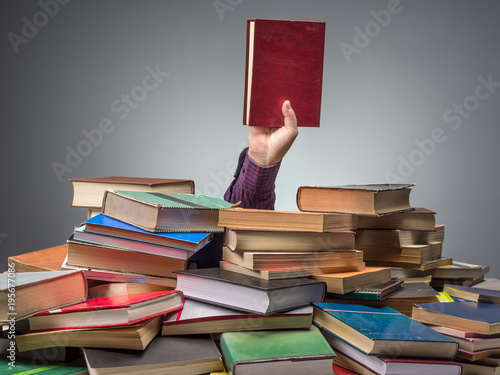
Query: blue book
{"type": "Point", "coordinates": [106, 225]}
{"type": "Point", "coordinates": [478, 317]}
{"type": "Point", "coordinates": [382, 331]}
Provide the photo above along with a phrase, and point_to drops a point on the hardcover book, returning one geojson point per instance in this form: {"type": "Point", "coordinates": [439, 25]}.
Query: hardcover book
{"type": "Point", "coordinates": [382, 331]}
{"type": "Point", "coordinates": [165, 212]}
{"type": "Point", "coordinates": [375, 292]}
{"type": "Point", "coordinates": [279, 240]}
{"type": "Point", "coordinates": [473, 293]}
{"type": "Point", "coordinates": [108, 311]}
{"type": "Point", "coordinates": [291, 352]}
{"type": "Point", "coordinates": [361, 363]}
{"type": "Point", "coordinates": [89, 192]}
{"type": "Point", "coordinates": [198, 317]}
{"type": "Point", "coordinates": [37, 291]}
{"type": "Point", "coordinates": [479, 317]}
{"type": "Point", "coordinates": [246, 293]}
{"type": "Point", "coordinates": [248, 218]}
{"type": "Point", "coordinates": [374, 199]}
{"type": "Point", "coordinates": [266, 260]}
{"type": "Point", "coordinates": [80, 234]}
{"type": "Point", "coordinates": [164, 355]}
{"type": "Point", "coordinates": [106, 225]}
{"type": "Point", "coordinates": [418, 219]}
{"type": "Point", "coordinates": [284, 61]}
{"type": "Point", "coordinates": [49, 259]}
{"type": "Point", "coordinates": [106, 258]}
{"type": "Point", "coordinates": [133, 337]}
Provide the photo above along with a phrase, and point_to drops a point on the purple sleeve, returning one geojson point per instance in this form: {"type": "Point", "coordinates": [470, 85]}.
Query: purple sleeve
{"type": "Point", "coordinates": [253, 185]}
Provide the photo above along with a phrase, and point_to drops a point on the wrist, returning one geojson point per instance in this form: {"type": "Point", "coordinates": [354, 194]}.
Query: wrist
{"type": "Point", "coordinates": [262, 159]}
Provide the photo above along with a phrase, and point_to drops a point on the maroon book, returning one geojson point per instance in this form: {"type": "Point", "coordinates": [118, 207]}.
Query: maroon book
{"type": "Point", "coordinates": [284, 61]}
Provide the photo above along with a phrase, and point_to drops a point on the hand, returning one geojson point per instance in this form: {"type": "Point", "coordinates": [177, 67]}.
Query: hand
{"type": "Point", "coordinates": [268, 145]}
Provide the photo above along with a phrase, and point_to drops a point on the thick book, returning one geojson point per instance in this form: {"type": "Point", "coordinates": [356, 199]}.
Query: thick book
{"type": "Point", "coordinates": [198, 317]}
{"type": "Point", "coordinates": [423, 266]}
{"type": "Point", "coordinates": [89, 192]}
{"type": "Point", "coordinates": [248, 218]}
{"type": "Point", "coordinates": [289, 273]}
{"type": "Point", "coordinates": [246, 293]}
{"type": "Point", "coordinates": [473, 293]}
{"type": "Point", "coordinates": [197, 354]}
{"type": "Point", "coordinates": [106, 225]}
{"type": "Point", "coordinates": [407, 255]}
{"type": "Point", "coordinates": [117, 310]}
{"type": "Point", "coordinates": [49, 259]}
{"type": "Point", "coordinates": [106, 258]}
{"type": "Point", "coordinates": [361, 363]}
{"type": "Point", "coordinates": [265, 260]}
{"type": "Point", "coordinates": [382, 331]}
{"type": "Point", "coordinates": [419, 218]}
{"type": "Point", "coordinates": [133, 337]}
{"type": "Point", "coordinates": [279, 240]}
{"type": "Point", "coordinates": [479, 317]}
{"type": "Point", "coordinates": [284, 61]}
{"type": "Point", "coordinates": [370, 199]}
{"type": "Point", "coordinates": [26, 293]}
{"type": "Point", "coordinates": [397, 238]}
{"type": "Point", "coordinates": [291, 352]}
{"type": "Point", "coordinates": [458, 270]}
{"type": "Point", "coordinates": [165, 212]}
{"type": "Point", "coordinates": [473, 344]}
{"type": "Point", "coordinates": [80, 234]}
{"type": "Point", "coordinates": [345, 282]}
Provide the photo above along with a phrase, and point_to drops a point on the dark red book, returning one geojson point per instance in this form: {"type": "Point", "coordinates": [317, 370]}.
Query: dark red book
{"type": "Point", "coordinates": [284, 61]}
{"type": "Point", "coordinates": [108, 311]}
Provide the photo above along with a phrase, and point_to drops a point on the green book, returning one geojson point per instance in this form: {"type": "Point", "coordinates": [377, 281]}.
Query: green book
{"type": "Point", "coordinates": [25, 366]}
{"type": "Point", "coordinates": [277, 352]}
{"type": "Point", "coordinates": [157, 212]}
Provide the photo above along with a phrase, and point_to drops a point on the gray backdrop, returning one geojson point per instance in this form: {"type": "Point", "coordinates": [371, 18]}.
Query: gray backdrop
{"type": "Point", "coordinates": [155, 89]}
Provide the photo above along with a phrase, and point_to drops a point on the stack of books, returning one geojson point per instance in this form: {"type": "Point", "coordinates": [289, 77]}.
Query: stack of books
{"type": "Point", "coordinates": [475, 326]}
{"type": "Point", "coordinates": [144, 236]}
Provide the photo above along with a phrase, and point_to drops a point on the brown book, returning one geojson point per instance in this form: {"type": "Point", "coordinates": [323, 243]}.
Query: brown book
{"type": "Point", "coordinates": [397, 237]}
{"type": "Point", "coordinates": [114, 259]}
{"type": "Point", "coordinates": [26, 293]}
{"type": "Point", "coordinates": [418, 219]}
{"type": "Point", "coordinates": [345, 282]}
{"type": "Point", "coordinates": [372, 199]}
{"type": "Point", "coordinates": [49, 259]}
{"type": "Point", "coordinates": [282, 260]}
{"type": "Point", "coordinates": [412, 254]}
{"type": "Point", "coordinates": [88, 192]}
{"type": "Point", "coordinates": [424, 266]}
{"type": "Point", "coordinates": [135, 337]}
{"type": "Point", "coordinates": [278, 240]}
{"type": "Point", "coordinates": [247, 218]}
{"type": "Point", "coordinates": [289, 273]}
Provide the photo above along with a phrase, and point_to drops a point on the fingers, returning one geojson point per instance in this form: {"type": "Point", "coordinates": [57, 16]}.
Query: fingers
{"type": "Point", "coordinates": [290, 118]}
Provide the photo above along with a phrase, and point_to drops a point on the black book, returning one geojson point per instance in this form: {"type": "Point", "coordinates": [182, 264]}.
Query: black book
{"type": "Point", "coordinates": [195, 354]}
{"type": "Point", "coordinates": [246, 293]}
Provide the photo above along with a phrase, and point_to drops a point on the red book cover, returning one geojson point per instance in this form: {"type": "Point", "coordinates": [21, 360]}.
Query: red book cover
{"type": "Point", "coordinates": [109, 311]}
{"type": "Point", "coordinates": [284, 61]}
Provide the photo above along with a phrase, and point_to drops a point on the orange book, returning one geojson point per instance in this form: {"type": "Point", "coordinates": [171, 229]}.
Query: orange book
{"type": "Point", "coordinates": [49, 259]}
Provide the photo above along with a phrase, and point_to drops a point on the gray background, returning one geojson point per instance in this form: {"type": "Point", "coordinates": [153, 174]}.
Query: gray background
{"type": "Point", "coordinates": [398, 90]}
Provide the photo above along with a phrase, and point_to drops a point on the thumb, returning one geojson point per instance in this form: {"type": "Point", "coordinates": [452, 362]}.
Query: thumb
{"type": "Point", "coordinates": [290, 118]}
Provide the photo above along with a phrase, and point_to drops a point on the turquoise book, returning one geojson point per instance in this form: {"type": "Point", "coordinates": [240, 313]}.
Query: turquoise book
{"type": "Point", "coordinates": [382, 331]}
{"type": "Point", "coordinates": [291, 352]}
{"type": "Point", "coordinates": [156, 212]}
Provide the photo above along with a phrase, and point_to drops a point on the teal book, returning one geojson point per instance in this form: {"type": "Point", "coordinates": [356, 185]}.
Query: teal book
{"type": "Point", "coordinates": [291, 352]}
{"type": "Point", "coordinates": [156, 212]}
{"type": "Point", "coordinates": [382, 331]}
{"type": "Point", "coordinates": [478, 317]}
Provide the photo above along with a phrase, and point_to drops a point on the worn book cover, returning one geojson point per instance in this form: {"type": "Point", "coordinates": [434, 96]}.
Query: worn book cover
{"type": "Point", "coordinates": [382, 331]}
{"type": "Point", "coordinates": [284, 61]}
